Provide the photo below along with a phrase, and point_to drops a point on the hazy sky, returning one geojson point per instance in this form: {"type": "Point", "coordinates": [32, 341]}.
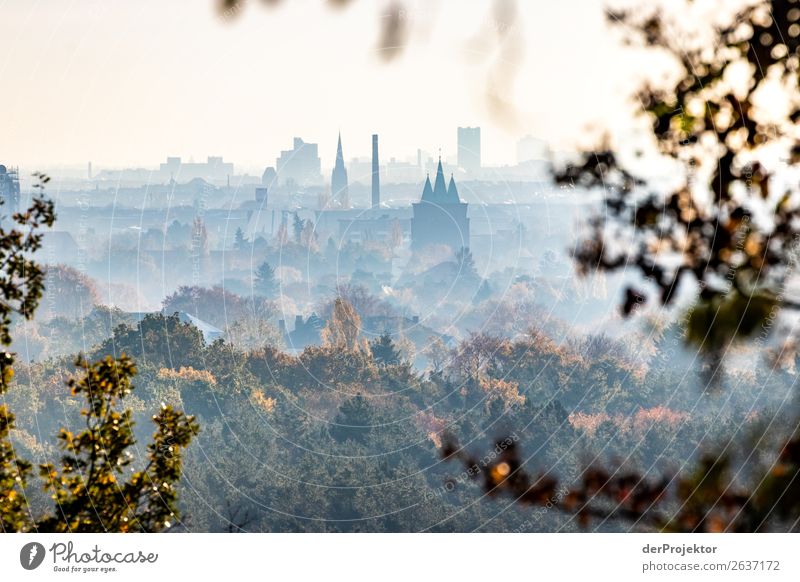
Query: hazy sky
{"type": "Point", "coordinates": [128, 83]}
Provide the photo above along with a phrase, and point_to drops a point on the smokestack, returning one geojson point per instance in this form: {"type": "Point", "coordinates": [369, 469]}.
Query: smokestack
{"type": "Point", "coordinates": [376, 179]}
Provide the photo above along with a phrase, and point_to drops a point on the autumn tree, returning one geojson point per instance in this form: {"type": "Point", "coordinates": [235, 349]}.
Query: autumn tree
{"type": "Point", "coordinates": [85, 485]}
{"type": "Point", "coordinates": [343, 329]}
{"type": "Point", "coordinates": [156, 340]}
{"type": "Point", "coordinates": [726, 235]}
{"type": "Point", "coordinates": [90, 487]}
{"type": "Point", "coordinates": [21, 287]}
{"type": "Point", "coordinates": [729, 147]}
{"type": "Point", "coordinates": [364, 302]}
{"type": "Point", "coordinates": [69, 293]}
{"type": "Point", "coordinates": [437, 354]}
{"type": "Point", "coordinates": [216, 305]}
{"type": "Point", "coordinates": [472, 359]}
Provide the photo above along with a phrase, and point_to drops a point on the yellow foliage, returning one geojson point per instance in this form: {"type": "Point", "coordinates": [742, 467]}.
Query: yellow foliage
{"type": "Point", "coordinates": [343, 328]}
{"type": "Point", "coordinates": [508, 392]}
{"type": "Point", "coordinates": [187, 374]}
{"type": "Point", "coordinates": [265, 402]}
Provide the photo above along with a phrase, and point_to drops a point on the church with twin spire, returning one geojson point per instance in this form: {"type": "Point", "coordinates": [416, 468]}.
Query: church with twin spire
{"type": "Point", "coordinates": [440, 217]}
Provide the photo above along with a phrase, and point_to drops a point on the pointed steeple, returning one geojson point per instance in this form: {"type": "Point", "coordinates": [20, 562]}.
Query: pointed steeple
{"type": "Point", "coordinates": [452, 191]}
{"type": "Point", "coordinates": [439, 188]}
{"type": "Point", "coordinates": [339, 155]}
{"type": "Point", "coordinates": [339, 184]}
{"type": "Point", "coordinates": [427, 191]}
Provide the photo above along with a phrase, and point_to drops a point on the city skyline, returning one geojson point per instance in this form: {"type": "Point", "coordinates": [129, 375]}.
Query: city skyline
{"type": "Point", "coordinates": [399, 266]}
{"type": "Point", "coordinates": [229, 93]}
{"type": "Point", "coordinates": [328, 160]}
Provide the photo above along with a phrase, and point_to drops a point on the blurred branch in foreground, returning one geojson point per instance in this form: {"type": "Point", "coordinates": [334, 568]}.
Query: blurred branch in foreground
{"type": "Point", "coordinates": [709, 499]}
{"type": "Point", "coordinates": [500, 40]}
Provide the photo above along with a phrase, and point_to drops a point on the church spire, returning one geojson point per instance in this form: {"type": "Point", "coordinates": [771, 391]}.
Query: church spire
{"type": "Point", "coordinates": [339, 155]}
{"type": "Point", "coordinates": [452, 191]}
{"type": "Point", "coordinates": [339, 178]}
{"type": "Point", "coordinates": [439, 188]}
{"type": "Point", "coordinates": [427, 191]}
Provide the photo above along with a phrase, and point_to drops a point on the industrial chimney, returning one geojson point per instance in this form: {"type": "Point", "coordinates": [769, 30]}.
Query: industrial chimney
{"type": "Point", "coordinates": [376, 179]}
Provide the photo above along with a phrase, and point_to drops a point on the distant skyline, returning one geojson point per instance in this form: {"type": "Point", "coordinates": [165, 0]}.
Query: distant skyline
{"type": "Point", "coordinates": [327, 159]}
{"type": "Point", "coordinates": [127, 84]}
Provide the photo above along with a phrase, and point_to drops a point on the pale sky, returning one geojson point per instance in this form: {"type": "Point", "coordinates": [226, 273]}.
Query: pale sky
{"type": "Point", "coordinates": [129, 83]}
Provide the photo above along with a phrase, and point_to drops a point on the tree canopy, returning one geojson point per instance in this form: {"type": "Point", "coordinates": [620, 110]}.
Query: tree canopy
{"type": "Point", "coordinates": [88, 485]}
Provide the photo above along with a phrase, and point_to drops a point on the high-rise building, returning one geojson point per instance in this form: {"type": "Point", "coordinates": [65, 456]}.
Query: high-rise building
{"type": "Point", "coordinates": [339, 178]}
{"type": "Point", "coordinates": [376, 176]}
{"type": "Point", "coordinates": [469, 149]}
{"type": "Point", "coordinates": [440, 218]}
{"type": "Point", "coordinates": [9, 190]}
{"type": "Point", "coordinates": [300, 165]}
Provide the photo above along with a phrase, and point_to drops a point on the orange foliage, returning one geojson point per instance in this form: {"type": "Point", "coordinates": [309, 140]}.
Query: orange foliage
{"type": "Point", "coordinates": [638, 423]}
{"type": "Point", "coordinates": [187, 374]}
{"type": "Point", "coordinates": [508, 392]}
{"type": "Point", "coordinates": [267, 403]}
{"type": "Point", "coordinates": [432, 426]}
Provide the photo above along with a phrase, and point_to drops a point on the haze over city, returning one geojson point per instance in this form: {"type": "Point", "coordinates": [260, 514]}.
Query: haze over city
{"type": "Point", "coordinates": [126, 84]}
{"type": "Point", "coordinates": [356, 266]}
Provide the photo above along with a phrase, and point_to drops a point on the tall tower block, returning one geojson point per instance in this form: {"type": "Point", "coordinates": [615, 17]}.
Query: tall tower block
{"type": "Point", "coordinates": [376, 178]}
{"type": "Point", "coordinates": [469, 150]}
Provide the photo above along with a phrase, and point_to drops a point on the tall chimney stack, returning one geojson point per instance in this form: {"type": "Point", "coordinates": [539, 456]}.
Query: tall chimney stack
{"type": "Point", "coordinates": [376, 179]}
